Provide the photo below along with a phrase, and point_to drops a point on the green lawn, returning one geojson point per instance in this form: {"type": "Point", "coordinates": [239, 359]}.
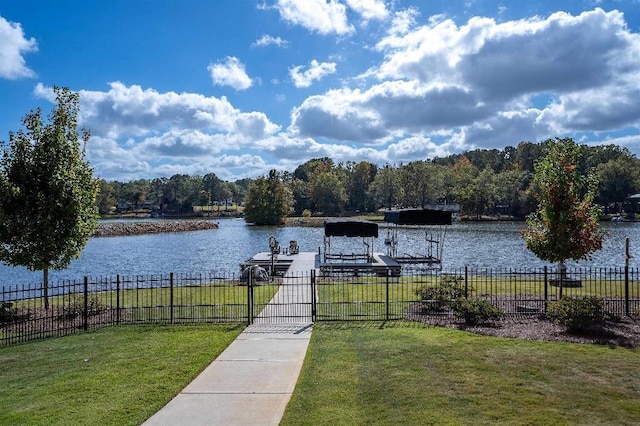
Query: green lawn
{"type": "Point", "coordinates": [354, 374]}
{"type": "Point", "coordinates": [224, 301]}
{"type": "Point", "coordinates": [369, 374]}
{"type": "Point", "coordinates": [114, 376]}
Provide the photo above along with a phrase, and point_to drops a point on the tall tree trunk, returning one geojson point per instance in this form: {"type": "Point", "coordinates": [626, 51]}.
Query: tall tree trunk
{"type": "Point", "coordinates": [45, 286]}
{"type": "Point", "coordinates": [562, 269]}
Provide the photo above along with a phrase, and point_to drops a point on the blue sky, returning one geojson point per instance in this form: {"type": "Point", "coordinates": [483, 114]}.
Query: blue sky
{"type": "Point", "coordinates": [239, 87]}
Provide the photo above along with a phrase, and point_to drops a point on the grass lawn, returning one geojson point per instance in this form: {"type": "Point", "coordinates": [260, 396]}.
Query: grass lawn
{"type": "Point", "coordinates": [114, 376]}
{"type": "Point", "coordinates": [371, 374]}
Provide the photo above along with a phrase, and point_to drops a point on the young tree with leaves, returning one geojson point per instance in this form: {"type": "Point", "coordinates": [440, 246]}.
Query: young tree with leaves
{"type": "Point", "coordinates": [47, 191]}
{"type": "Point", "coordinates": [565, 225]}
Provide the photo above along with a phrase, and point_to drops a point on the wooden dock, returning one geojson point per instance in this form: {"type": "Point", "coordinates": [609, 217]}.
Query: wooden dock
{"type": "Point", "coordinates": [379, 264]}
{"type": "Point", "coordinates": [304, 262]}
{"type": "Point", "coordinates": [280, 262]}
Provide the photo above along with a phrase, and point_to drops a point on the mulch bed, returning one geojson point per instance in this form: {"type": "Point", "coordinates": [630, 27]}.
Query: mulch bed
{"type": "Point", "coordinates": [624, 333]}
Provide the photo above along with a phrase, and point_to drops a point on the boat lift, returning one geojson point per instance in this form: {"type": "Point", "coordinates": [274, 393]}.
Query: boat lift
{"type": "Point", "coordinates": [365, 229]}
{"type": "Point", "coordinates": [365, 262]}
{"type": "Point", "coordinates": [431, 259]}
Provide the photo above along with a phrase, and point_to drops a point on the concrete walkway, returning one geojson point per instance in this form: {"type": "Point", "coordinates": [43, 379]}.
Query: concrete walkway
{"type": "Point", "coordinates": [251, 382]}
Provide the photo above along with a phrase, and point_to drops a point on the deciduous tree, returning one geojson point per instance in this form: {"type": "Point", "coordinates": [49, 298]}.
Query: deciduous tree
{"type": "Point", "coordinates": [565, 225]}
{"type": "Point", "coordinates": [268, 200]}
{"type": "Point", "coordinates": [327, 191]}
{"type": "Point", "coordinates": [47, 191]}
{"type": "Point", "coordinates": [385, 188]}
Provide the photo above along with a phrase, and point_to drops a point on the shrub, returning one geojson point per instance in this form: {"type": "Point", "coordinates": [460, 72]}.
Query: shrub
{"type": "Point", "coordinates": [577, 314]}
{"type": "Point", "coordinates": [476, 311]}
{"type": "Point", "coordinates": [7, 312]}
{"type": "Point", "coordinates": [76, 307]}
{"type": "Point", "coordinates": [440, 295]}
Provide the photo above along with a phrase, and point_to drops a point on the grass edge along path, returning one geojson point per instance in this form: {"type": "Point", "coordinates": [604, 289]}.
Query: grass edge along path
{"type": "Point", "coordinates": [113, 376]}
{"type": "Point", "coordinates": [373, 375]}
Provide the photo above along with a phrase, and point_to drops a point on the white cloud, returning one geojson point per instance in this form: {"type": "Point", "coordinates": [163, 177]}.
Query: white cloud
{"type": "Point", "coordinates": [112, 161]}
{"type": "Point", "coordinates": [441, 87]}
{"type": "Point", "coordinates": [316, 71]}
{"type": "Point", "coordinates": [324, 17]}
{"type": "Point", "coordinates": [369, 9]}
{"type": "Point", "coordinates": [13, 45]}
{"type": "Point", "coordinates": [135, 130]}
{"type": "Point", "coordinates": [384, 111]}
{"type": "Point", "coordinates": [507, 128]}
{"type": "Point", "coordinates": [41, 91]}
{"type": "Point", "coordinates": [480, 78]}
{"type": "Point", "coordinates": [184, 143]}
{"type": "Point", "coordinates": [631, 142]}
{"type": "Point", "coordinates": [402, 21]}
{"type": "Point", "coordinates": [509, 59]}
{"type": "Point", "coordinates": [267, 40]}
{"type": "Point", "coordinates": [416, 147]}
{"type": "Point", "coordinates": [230, 72]}
{"type": "Point", "coordinates": [130, 111]}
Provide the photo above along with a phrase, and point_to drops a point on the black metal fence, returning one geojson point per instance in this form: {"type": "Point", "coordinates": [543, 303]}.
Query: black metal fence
{"type": "Point", "coordinates": [91, 303]}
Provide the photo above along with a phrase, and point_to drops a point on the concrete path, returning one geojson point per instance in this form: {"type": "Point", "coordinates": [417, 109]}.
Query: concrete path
{"type": "Point", "coordinates": [251, 382]}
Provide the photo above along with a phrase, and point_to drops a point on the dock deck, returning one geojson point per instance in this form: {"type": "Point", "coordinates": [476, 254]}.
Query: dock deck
{"type": "Point", "coordinates": [379, 264]}
{"type": "Point", "coordinates": [304, 262]}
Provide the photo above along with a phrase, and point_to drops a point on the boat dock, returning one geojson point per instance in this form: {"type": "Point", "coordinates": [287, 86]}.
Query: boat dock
{"type": "Point", "coordinates": [378, 264]}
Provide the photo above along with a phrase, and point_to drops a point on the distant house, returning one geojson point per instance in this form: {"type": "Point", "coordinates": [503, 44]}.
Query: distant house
{"type": "Point", "coordinates": [632, 204]}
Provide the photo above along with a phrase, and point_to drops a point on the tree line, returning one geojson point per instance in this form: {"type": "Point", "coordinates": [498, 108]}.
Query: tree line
{"type": "Point", "coordinates": [481, 181]}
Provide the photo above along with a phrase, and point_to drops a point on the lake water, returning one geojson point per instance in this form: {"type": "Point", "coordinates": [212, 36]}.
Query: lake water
{"type": "Point", "coordinates": [480, 244]}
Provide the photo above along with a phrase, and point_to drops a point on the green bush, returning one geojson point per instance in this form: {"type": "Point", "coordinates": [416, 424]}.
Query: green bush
{"type": "Point", "coordinates": [577, 314]}
{"type": "Point", "coordinates": [76, 307]}
{"type": "Point", "coordinates": [7, 312]}
{"type": "Point", "coordinates": [476, 311]}
{"type": "Point", "coordinates": [440, 295]}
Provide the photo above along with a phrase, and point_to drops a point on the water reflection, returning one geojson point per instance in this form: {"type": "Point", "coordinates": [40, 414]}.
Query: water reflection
{"type": "Point", "coordinates": [496, 244]}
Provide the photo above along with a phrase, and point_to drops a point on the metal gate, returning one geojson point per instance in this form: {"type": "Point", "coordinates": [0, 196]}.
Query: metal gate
{"type": "Point", "coordinates": [288, 299]}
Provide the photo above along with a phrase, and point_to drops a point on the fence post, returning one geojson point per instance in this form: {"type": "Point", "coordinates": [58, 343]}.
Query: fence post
{"type": "Point", "coordinates": [171, 297]}
{"type": "Point", "coordinates": [627, 256]}
{"type": "Point", "coordinates": [546, 290]}
{"type": "Point", "coordinates": [250, 296]}
{"type": "Point", "coordinates": [387, 296]}
{"type": "Point", "coordinates": [118, 299]}
{"type": "Point", "coordinates": [466, 282]}
{"type": "Point", "coordinates": [314, 301]}
{"type": "Point", "coordinates": [85, 317]}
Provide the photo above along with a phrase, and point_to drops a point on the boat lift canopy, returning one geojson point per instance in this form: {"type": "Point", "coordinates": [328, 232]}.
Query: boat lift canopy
{"type": "Point", "coordinates": [423, 217]}
{"type": "Point", "coordinates": [350, 228]}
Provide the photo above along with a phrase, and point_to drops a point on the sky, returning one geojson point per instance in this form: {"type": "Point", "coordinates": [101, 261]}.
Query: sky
{"type": "Point", "coordinates": [240, 87]}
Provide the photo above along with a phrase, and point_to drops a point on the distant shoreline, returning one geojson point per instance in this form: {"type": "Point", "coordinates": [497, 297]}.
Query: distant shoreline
{"type": "Point", "coordinates": [117, 229]}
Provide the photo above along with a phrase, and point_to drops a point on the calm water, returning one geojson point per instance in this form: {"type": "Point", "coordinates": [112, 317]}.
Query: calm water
{"type": "Point", "coordinates": [221, 250]}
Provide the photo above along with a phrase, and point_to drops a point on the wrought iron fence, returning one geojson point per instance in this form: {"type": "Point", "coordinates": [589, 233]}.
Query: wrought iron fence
{"type": "Point", "coordinates": [517, 292]}
{"type": "Point", "coordinates": [91, 303]}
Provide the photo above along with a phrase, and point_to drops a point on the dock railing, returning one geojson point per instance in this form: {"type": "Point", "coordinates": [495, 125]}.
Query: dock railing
{"type": "Point", "coordinates": [92, 302]}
